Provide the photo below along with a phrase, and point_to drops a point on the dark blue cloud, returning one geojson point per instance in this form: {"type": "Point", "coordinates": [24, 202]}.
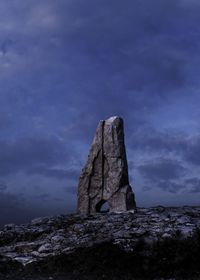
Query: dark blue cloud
{"type": "Point", "coordinates": [60, 174]}
{"type": "Point", "coordinates": [67, 64]}
{"type": "Point", "coordinates": [162, 169]}
{"type": "Point", "coordinates": [193, 184]}
{"type": "Point", "coordinates": [193, 152]}
{"type": "Point", "coordinates": [155, 141]}
{"type": "Point", "coordinates": [188, 186]}
{"type": "Point", "coordinates": [16, 209]}
{"type": "Point", "coordinates": [3, 187]}
{"type": "Point", "coordinates": [5, 121]}
{"type": "Point", "coordinates": [24, 154]}
{"type": "Point", "coordinates": [8, 202]}
{"type": "Point", "coordinates": [170, 186]}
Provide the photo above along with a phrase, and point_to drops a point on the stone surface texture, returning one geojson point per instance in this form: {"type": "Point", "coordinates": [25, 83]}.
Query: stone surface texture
{"type": "Point", "coordinates": [105, 175]}
{"type": "Point", "coordinates": [64, 234]}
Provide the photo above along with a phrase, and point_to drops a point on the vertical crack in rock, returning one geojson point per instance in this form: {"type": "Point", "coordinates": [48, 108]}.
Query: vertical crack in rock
{"type": "Point", "coordinates": [105, 175]}
{"type": "Point", "coordinates": [103, 157]}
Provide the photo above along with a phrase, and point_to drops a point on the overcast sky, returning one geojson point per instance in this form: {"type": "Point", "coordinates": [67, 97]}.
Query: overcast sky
{"type": "Point", "coordinates": [66, 64]}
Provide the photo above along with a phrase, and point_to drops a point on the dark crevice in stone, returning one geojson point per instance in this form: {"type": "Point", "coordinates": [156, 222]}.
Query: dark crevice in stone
{"type": "Point", "coordinates": [102, 206]}
{"type": "Point", "coordinates": [103, 158]}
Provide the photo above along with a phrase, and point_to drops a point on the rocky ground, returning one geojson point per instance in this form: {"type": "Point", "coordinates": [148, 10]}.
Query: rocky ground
{"type": "Point", "coordinates": [153, 243]}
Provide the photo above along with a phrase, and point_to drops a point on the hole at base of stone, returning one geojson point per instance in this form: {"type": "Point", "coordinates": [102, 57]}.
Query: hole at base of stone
{"type": "Point", "coordinates": [102, 206]}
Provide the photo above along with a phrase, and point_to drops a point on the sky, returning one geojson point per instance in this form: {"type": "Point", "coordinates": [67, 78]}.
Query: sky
{"type": "Point", "coordinates": [65, 65]}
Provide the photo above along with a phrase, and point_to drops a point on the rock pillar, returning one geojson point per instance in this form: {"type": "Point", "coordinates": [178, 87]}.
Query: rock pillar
{"type": "Point", "coordinates": [104, 179]}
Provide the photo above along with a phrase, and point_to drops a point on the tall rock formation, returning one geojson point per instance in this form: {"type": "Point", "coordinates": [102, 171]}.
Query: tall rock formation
{"type": "Point", "coordinates": [105, 175]}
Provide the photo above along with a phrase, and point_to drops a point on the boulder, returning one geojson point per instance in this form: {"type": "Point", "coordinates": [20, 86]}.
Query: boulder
{"type": "Point", "coordinates": [104, 179]}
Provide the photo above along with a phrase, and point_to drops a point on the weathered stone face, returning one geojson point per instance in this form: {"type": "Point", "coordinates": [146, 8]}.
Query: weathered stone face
{"type": "Point", "coordinates": [105, 175]}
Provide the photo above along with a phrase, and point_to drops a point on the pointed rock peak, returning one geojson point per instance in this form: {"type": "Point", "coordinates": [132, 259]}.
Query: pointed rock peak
{"type": "Point", "coordinates": [112, 119]}
{"type": "Point", "coordinates": [104, 179]}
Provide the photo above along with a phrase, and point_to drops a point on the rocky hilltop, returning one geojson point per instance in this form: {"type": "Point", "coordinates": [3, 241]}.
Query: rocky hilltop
{"type": "Point", "coordinates": [123, 243]}
{"type": "Point", "coordinates": [148, 244]}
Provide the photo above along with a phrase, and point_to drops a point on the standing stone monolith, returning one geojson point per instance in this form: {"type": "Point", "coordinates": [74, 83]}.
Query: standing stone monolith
{"type": "Point", "coordinates": [105, 175]}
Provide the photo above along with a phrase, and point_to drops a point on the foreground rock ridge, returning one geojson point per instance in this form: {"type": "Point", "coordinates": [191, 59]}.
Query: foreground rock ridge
{"type": "Point", "coordinates": [105, 175]}
{"type": "Point", "coordinates": [64, 234]}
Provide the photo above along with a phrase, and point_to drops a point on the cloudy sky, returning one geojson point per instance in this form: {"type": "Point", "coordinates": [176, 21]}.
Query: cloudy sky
{"type": "Point", "coordinates": [66, 64]}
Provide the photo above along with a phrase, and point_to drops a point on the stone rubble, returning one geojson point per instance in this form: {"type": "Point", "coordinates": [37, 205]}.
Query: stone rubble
{"type": "Point", "coordinates": [64, 234]}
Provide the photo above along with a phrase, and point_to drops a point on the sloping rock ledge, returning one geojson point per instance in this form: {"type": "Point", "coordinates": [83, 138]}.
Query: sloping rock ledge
{"type": "Point", "coordinates": [149, 244]}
